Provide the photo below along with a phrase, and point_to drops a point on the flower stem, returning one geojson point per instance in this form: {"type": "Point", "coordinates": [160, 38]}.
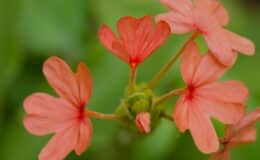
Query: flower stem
{"type": "Point", "coordinates": [166, 116]}
{"type": "Point", "coordinates": [98, 115]}
{"type": "Point", "coordinates": [223, 140]}
{"type": "Point", "coordinates": [167, 66]}
{"type": "Point", "coordinates": [132, 78]}
{"type": "Point", "coordinates": [168, 95]}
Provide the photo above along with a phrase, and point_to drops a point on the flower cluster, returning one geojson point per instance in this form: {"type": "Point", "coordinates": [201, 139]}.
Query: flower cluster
{"type": "Point", "coordinates": [203, 97]}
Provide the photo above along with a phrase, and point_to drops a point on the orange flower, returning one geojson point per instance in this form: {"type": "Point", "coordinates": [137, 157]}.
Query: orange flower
{"type": "Point", "coordinates": [137, 38]}
{"type": "Point", "coordinates": [143, 122]}
{"type": "Point", "coordinates": [64, 116]}
{"type": "Point", "coordinates": [205, 98]}
{"type": "Point", "coordinates": [208, 17]}
{"type": "Point", "coordinates": [238, 134]}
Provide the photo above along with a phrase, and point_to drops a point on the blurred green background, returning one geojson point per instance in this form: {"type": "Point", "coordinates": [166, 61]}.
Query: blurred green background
{"type": "Point", "coordinates": [33, 30]}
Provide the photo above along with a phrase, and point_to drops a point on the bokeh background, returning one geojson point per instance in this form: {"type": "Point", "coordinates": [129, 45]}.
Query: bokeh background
{"type": "Point", "coordinates": [33, 30]}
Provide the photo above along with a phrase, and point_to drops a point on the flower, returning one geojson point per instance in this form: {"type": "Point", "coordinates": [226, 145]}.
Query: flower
{"type": "Point", "coordinates": [64, 116]}
{"type": "Point", "coordinates": [137, 38]}
{"type": "Point", "coordinates": [204, 97]}
{"type": "Point", "coordinates": [207, 17]}
{"type": "Point", "coordinates": [243, 132]}
{"type": "Point", "coordinates": [143, 122]}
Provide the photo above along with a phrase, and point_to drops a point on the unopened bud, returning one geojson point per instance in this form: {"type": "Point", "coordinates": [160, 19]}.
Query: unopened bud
{"type": "Point", "coordinates": [143, 122]}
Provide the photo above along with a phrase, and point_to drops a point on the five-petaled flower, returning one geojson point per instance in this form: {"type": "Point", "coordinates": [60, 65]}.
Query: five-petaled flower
{"type": "Point", "coordinates": [243, 132]}
{"type": "Point", "coordinates": [65, 116]}
{"type": "Point", "coordinates": [204, 97]}
{"type": "Point", "coordinates": [137, 38]}
{"type": "Point", "coordinates": [207, 17]}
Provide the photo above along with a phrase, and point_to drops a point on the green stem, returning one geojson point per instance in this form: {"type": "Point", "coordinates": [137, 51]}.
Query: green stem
{"type": "Point", "coordinates": [168, 95]}
{"type": "Point", "coordinates": [166, 67]}
{"type": "Point", "coordinates": [132, 79]}
{"type": "Point", "coordinates": [166, 116]}
{"type": "Point", "coordinates": [98, 115]}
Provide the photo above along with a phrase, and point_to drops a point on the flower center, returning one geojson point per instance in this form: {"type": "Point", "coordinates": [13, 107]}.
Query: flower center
{"type": "Point", "coordinates": [200, 29]}
{"type": "Point", "coordinates": [190, 92]}
{"type": "Point", "coordinates": [134, 61]}
{"type": "Point", "coordinates": [81, 114]}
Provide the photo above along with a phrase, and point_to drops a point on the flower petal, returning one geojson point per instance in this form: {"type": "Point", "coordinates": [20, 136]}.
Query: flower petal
{"type": "Point", "coordinates": [62, 79]}
{"type": "Point", "coordinates": [84, 82]}
{"type": "Point", "coordinates": [182, 6]}
{"type": "Point", "coordinates": [126, 28]}
{"type": "Point", "coordinates": [84, 137]}
{"type": "Point", "coordinates": [144, 29]}
{"type": "Point", "coordinates": [109, 40]}
{"type": "Point", "coordinates": [47, 114]}
{"type": "Point", "coordinates": [60, 145]}
{"type": "Point", "coordinates": [120, 51]}
{"type": "Point", "coordinates": [246, 135]}
{"type": "Point", "coordinates": [156, 39]}
{"type": "Point", "coordinates": [249, 120]}
{"type": "Point", "coordinates": [180, 114]}
{"type": "Point", "coordinates": [45, 105]}
{"type": "Point", "coordinates": [220, 12]}
{"type": "Point", "coordinates": [190, 60]}
{"type": "Point", "coordinates": [229, 92]}
{"type": "Point", "coordinates": [107, 37]}
{"type": "Point", "coordinates": [240, 44]}
{"type": "Point", "coordinates": [220, 47]}
{"type": "Point", "coordinates": [215, 8]}
{"type": "Point", "coordinates": [204, 4]}
{"type": "Point", "coordinates": [40, 126]}
{"type": "Point", "coordinates": [208, 70]}
{"type": "Point", "coordinates": [202, 131]}
{"type": "Point", "coordinates": [227, 113]}
{"type": "Point", "coordinates": [178, 23]}
{"type": "Point", "coordinates": [205, 22]}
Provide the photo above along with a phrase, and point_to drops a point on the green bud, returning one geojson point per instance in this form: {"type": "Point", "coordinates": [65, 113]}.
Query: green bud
{"type": "Point", "coordinates": [136, 97]}
{"type": "Point", "coordinates": [141, 105]}
{"type": "Point", "coordinates": [123, 110]}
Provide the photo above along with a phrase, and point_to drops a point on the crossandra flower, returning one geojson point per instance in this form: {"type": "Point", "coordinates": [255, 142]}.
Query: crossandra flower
{"type": "Point", "coordinates": [243, 132]}
{"type": "Point", "coordinates": [64, 116]}
{"type": "Point", "coordinates": [137, 38]}
{"type": "Point", "coordinates": [204, 98]}
{"type": "Point", "coordinates": [207, 17]}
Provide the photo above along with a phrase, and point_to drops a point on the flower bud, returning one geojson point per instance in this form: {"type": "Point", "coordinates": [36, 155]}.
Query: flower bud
{"type": "Point", "coordinates": [141, 105]}
{"type": "Point", "coordinates": [143, 122]}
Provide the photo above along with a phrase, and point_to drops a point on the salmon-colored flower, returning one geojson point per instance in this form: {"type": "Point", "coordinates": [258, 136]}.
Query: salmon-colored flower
{"type": "Point", "coordinates": [204, 97]}
{"type": "Point", "coordinates": [64, 116]}
{"type": "Point", "coordinates": [137, 38]}
{"type": "Point", "coordinates": [243, 132]}
{"type": "Point", "coordinates": [143, 122]}
{"type": "Point", "coordinates": [207, 17]}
